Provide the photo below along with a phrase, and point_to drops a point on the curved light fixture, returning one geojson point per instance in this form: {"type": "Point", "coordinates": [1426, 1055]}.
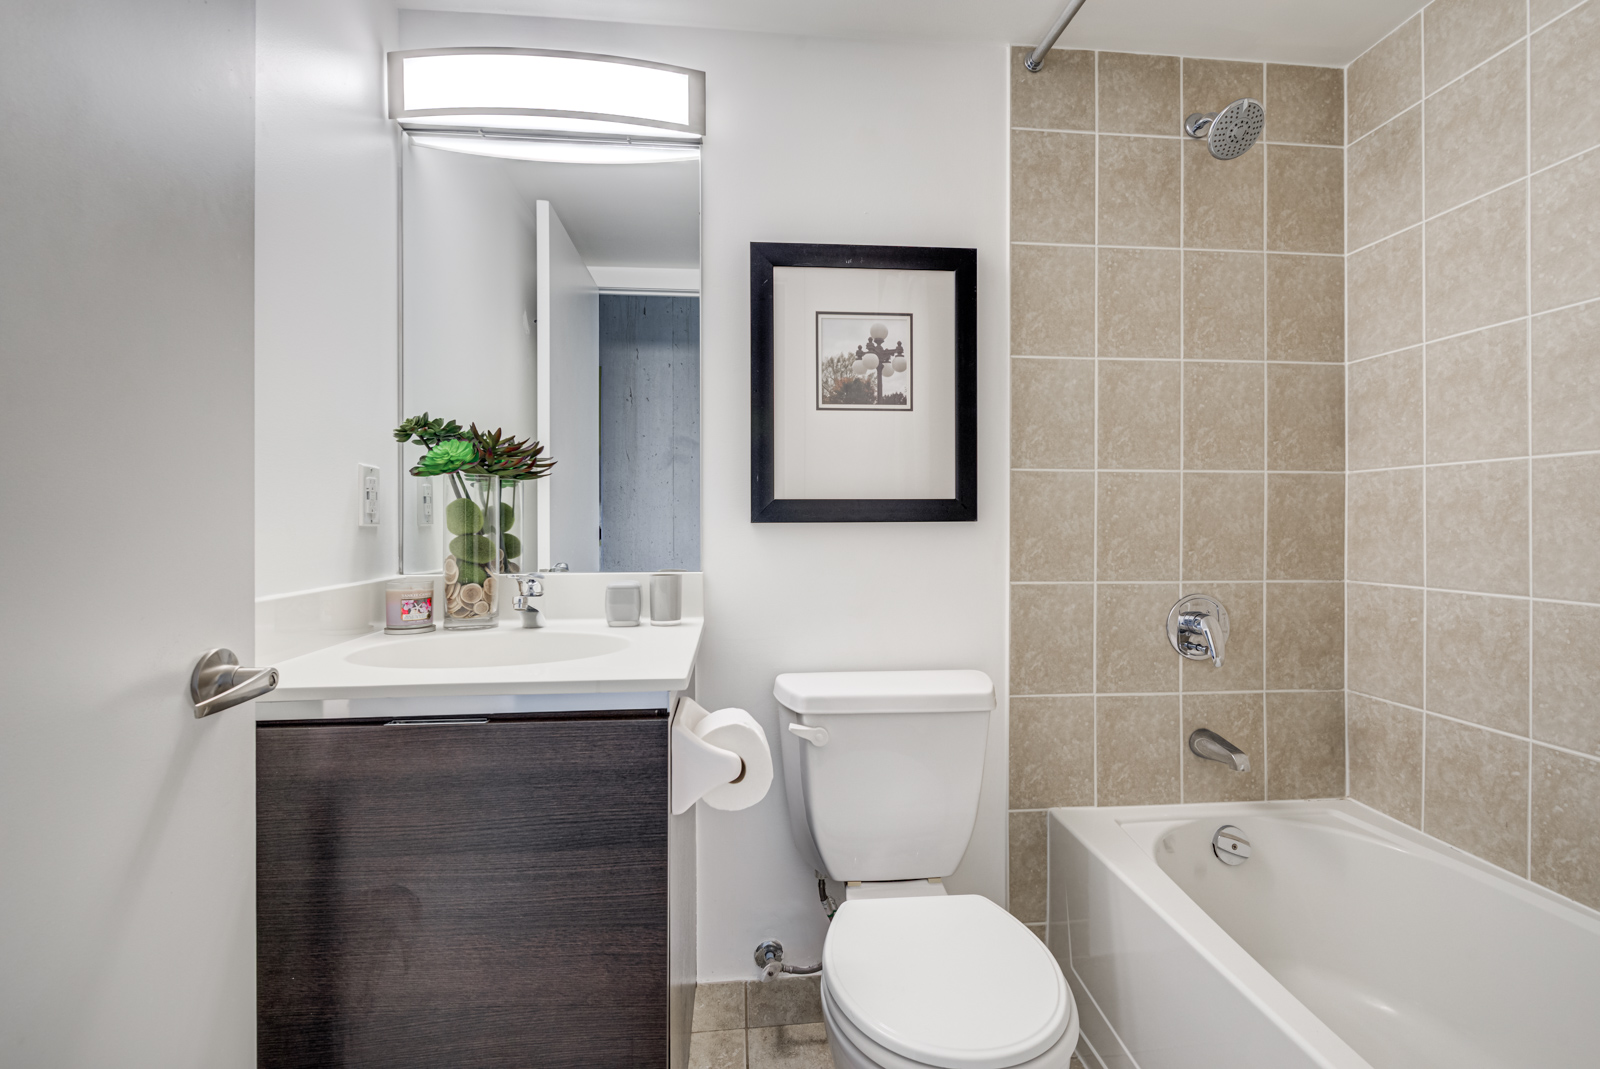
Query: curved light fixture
{"type": "Point", "coordinates": [556, 150]}
{"type": "Point", "coordinates": [538, 91]}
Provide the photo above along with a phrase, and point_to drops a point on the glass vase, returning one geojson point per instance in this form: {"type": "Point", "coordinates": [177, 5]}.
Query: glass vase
{"type": "Point", "coordinates": [513, 540]}
{"type": "Point", "coordinates": [472, 551]}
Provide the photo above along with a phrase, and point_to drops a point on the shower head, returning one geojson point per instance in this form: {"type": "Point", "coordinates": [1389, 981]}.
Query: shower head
{"type": "Point", "coordinates": [1229, 133]}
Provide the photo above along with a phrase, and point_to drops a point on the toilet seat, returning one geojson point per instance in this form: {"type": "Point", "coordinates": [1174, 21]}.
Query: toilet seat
{"type": "Point", "coordinates": [949, 982]}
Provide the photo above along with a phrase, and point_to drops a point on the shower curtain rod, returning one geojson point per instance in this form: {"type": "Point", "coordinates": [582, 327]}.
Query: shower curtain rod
{"type": "Point", "coordinates": [1035, 58]}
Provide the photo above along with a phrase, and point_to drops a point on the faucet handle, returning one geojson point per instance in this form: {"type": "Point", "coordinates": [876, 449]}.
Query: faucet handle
{"type": "Point", "coordinates": [1197, 627]}
{"type": "Point", "coordinates": [526, 587]}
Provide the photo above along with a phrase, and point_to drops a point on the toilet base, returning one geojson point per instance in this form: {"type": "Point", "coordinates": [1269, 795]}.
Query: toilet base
{"type": "Point", "coordinates": [851, 1049]}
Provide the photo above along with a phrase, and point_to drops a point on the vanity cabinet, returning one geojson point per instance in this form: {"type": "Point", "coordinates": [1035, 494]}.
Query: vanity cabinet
{"type": "Point", "coordinates": [463, 894]}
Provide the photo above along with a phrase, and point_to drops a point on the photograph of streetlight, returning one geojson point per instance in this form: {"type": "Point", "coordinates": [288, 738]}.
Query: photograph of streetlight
{"type": "Point", "coordinates": [864, 361]}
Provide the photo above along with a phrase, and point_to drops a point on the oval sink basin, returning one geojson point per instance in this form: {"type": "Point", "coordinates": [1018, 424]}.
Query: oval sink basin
{"type": "Point", "coordinates": [500, 648]}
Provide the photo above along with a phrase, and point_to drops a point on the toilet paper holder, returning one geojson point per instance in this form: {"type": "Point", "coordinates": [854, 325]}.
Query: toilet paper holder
{"type": "Point", "coordinates": [700, 768]}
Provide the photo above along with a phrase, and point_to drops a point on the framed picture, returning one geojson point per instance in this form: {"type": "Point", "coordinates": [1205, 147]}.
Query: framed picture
{"type": "Point", "coordinates": [863, 383]}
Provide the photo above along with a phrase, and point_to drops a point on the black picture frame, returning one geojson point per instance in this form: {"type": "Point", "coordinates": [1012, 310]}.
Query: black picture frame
{"type": "Point", "coordinates": [765, 506]}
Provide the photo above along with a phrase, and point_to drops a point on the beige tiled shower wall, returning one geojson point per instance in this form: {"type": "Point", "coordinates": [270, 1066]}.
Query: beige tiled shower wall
{"type": "Point", "coordinates": [1474, 432]}
{"type": "Point", "coordinates": [1177, 408]}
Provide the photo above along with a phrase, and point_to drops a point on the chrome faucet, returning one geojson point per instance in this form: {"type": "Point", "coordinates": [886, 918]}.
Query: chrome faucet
{"type": "Point", "coordinates": [526, 587]}
{"type": "Point", "coordinates": [1197, 627]}
{"type": "Point", "coordinates": [1203, 742]}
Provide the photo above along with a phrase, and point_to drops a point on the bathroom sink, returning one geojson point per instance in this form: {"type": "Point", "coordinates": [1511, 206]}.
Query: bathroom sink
{"type": "Point", "coordinates": [500, 648]}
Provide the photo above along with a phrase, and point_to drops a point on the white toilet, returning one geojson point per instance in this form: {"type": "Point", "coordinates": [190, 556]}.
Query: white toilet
{"type": "Point", "coordinates": [882, 771]}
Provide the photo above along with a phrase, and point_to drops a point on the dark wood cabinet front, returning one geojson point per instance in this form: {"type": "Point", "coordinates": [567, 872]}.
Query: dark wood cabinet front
{"type": "Point", "coordinates": [462, 895]}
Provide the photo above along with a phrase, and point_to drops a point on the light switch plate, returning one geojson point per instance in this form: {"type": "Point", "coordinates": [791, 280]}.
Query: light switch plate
{"type": "Point", "coordinates": [368, 484]}
{"type": "Point", "coordinates": [424, 502]}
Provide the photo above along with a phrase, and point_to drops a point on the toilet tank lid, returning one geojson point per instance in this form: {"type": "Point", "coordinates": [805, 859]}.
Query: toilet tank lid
{"type": "Point", "coordinates": [945, 691]}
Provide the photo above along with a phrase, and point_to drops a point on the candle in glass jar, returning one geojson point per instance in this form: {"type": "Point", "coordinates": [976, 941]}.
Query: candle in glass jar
{"type": "Point", "coordinates": [408, 606]}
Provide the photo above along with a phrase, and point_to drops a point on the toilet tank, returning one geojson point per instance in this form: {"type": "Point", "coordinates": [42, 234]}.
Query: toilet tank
{"type": "Point", "coordinates": [891, 792]}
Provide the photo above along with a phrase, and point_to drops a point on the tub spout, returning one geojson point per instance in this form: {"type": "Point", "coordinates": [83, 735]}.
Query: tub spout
{"type": "Point", "coordinates": [1213, 747]}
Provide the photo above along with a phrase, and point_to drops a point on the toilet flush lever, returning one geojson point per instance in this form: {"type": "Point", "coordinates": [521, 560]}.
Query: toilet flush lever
{"type": "Point", "coordinates": [815, 736]}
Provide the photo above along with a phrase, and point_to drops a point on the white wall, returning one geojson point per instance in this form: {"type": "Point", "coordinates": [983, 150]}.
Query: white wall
{"type": "Point", "coordinates": [569, 424]}
{"type": "Point", "coordinates": [827, 141]}
{"type": "Point", "coordinates": [127, 907]}
{"type": "Point", "coordinates": [469, 310]}
{"type": "Point", "coordinates": [325, 291]}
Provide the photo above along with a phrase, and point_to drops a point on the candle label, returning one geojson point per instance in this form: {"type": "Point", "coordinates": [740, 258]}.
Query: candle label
{"type": "Point", "coordinates": [416, 609]}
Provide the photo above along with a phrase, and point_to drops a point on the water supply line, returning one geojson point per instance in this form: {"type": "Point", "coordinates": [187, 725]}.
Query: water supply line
{"type": "Point", "coordinates": [1035, 58]}
{"type": "Point", "coordinates": [769, 959]}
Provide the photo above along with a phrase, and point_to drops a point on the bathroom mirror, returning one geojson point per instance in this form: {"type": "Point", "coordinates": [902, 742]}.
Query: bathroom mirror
{"type": "Point", "coordinates": [558, 301]}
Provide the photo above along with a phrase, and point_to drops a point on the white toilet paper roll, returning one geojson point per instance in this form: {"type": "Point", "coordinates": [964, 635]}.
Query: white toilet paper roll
{"type": "Point", "coordinates": [737, 730]}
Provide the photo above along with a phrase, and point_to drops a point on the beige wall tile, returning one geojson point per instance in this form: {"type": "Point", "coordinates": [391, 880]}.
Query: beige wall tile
{"type": "Point", "coordinates": [1223, 414]}
{"type": "Point", "coordinates": [1052, 187]}
{"type": "Point", "coordinates": [1478, 395]}
{"type": "Point", "coordinates": [1131, 638]}
{"type": "Point", "coordinates": [1566, 380]}
{"type": "Point", "coordinates": [1052, 301]}
{"type": "Point", "coordinates": [1305, 198]}
{"type": "Point", "coordinates": [1140, 192]}
{"type": "Point", "coordinates": [1052, 752]}
{"type": "Point", "coordinates": [1566, 81]}
{"type": "Point", "coordinates": [1213, 84]}
{"type": "Point", "coordinates": [1307, 104]}
{"type": "Point", "coordinates": [717, 1050]}
{"type": "Point", "coordinates": [1305, 636]}
{"type": "Point", "coordinates": [1457, 35]}
{"type": "Point", "coordinates": [1566, 824]}
{"type": "Point", "coordinates": [1052, 525]}
{"type": "Point", "coordinates": [1224, 294]}
{"type": "Point", "coordinates": [1566, 232]}
{"type": "Point", "coordinates": [790, 1000]}
{"type": "Point", "coordinates": [1386, 425]}
{"type": "Point", "coordinates": [718, 1006]}
{"type": "Point", "coordinates": [1305, 526]}
{"type": "Point", "coordinates": [1139, 411]}
{"type": "Point", "coordinates": [1222, 199]}
{"type": "Point", "coordinates": [1386, 757]}
{"type": "Point", "coordinates": [1566, 675]}
{"type": "Point", "coordinates": [1305, 307]}
{"type": "Point", "coordinates": [1136, 749]}
{"type": "Point", "coordinates": [1478, 132]}
{"type": "Point", "coordinates": [1383, 637]}
{"type": "Point", "coordinates": [1140, 297]}
{"type": "Point", "coordinates": [1385, 295]}
{"type": "Point", "coordinates": [1060, 96]}
{"type": "Point", "coordinates": [1566, 528]}
{"type": "Point", "coordinates": [1385, 80]}
{"type": "Point", "coordinates": [1305, 418]}
{"type": "Point", "coordinates": [1385, 527]}
{"type": "Point", "coordinates": [1542, 11]}
{"type": "Point", "coordinates": [1139, 94]}
{"type": "Point", "coordinates": [1052, 413]}
{"type": "Point", "coordinates": [1478, 659]}
{"type": "Point", "coordinates": [1386, 180]}
{"type": "Point", "coordinates": [1028, 875]}
{"type": "Point", "coordinates": [1475, 794]}
{"type": "Point", "coordinates": [1478, 527]}
{"type": "Point", "coordinates": [1048, 654]}
{"type": "Point", "coordinates": [1138, 526]}
{"type": "Point", "coordinates": [1222, 530]}
{"type": "Point", "coordinates": [1477, 263]}
{"type": "Point", "coordinates": [1305, 745]}
{"type": "Point", "coordinates": [1237, 718]}
{"type": "Point", "coordinates": [1242, 666]}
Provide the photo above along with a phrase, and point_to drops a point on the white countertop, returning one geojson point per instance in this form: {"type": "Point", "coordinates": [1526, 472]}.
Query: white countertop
{"type": "Point", "coordinates": [650, 659]}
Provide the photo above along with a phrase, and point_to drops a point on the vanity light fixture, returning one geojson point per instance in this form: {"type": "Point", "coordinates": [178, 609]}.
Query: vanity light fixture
{"type": "Point", "coordinates": [539, 104]}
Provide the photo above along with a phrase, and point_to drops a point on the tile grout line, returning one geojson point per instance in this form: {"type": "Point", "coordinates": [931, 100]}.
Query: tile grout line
{"type": "Point", "coordinates": [1183, 460]}
{"type": "Point", "coordinates": [1178, 248]}
{"type": "Point", "coordinates": [1266, 447]}
{"type": "Point", "coordinates": [1554, 747]}
{"type": "Point", "coordinates": [1094, 591]}
{"type": "Point", "coordinates": [1433, 341]}
{"type": "Point", "coordinates": [1344, 667]}
{"type": "Point", "coordinates": [1527, 146]}
{"type": "Point", "coordinates": [1422, 116]}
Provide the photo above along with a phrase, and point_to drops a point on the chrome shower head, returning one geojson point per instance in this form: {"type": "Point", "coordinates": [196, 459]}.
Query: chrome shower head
{"type": "Point", "coordinates": [1229, 133]}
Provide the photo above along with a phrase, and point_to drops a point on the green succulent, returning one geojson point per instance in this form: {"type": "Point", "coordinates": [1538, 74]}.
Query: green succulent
{"type": "Point", "coordinates": [467, 572]}
{"type": "Point", "coordinates": [512, 545]}
{"type": "Point", "coordinates": [503, 455]}
{"type": "Point", "coordinates": [452, 455]}
{"type": "Point", "coordinates": [463, 516]}
{"type": "Point", "coordinates": [426, 432]}
{"type": "Point", "coordinates": [472, 547]}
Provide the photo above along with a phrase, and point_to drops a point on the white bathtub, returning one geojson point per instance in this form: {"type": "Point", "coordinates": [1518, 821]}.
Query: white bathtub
{"type": "Point", "coordinates": [1347, 940]}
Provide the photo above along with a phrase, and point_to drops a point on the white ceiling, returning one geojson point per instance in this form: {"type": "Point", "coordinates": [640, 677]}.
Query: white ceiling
{"type": "Point", "coordinates": [1324, 32]}
{"type": "Point", "coordinates": [633, 215]}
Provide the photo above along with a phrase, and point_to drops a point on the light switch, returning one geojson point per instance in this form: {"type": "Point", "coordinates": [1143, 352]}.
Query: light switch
{"type": "Point", "coordinates": [424, 502]}
{"type": "Point", "coordinates": [369, 494]}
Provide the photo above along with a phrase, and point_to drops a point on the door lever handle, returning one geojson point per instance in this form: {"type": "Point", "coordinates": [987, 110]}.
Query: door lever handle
{"type": "Point", "coordinates": [218, 682]}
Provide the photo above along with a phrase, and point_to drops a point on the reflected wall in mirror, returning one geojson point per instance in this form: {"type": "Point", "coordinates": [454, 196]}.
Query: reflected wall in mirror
{"type": "Point", "coordinates": [559, 301]}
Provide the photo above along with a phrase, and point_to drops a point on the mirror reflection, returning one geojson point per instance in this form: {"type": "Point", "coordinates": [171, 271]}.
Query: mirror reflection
{"type": "Point", "coordinates": [558, 301]}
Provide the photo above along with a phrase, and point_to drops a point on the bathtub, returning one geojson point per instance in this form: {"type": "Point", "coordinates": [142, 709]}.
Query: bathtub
{"type": "Point", "coordinates": [1346, 941]}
